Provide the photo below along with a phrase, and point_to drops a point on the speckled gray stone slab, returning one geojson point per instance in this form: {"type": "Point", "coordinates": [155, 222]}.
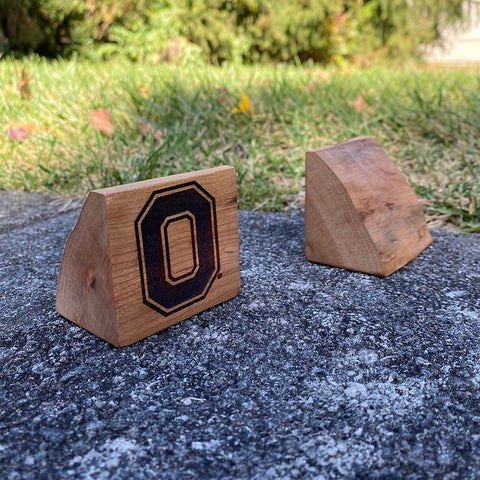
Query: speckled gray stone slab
{"type": "Point", "coordinates": [310, 372]}
{"type": "Point", "coordinates": [21, 208]}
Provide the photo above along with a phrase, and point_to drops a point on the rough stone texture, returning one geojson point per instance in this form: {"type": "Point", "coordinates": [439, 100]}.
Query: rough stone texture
{"type": "Point", "coordinates": [19, 208]}
{"type": "Point", "coordinates": [311, 372]}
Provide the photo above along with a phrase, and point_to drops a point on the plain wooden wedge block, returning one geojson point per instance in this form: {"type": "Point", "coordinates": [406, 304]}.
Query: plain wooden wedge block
{"type": "Point", "coordinates": [360, 212]}
{"type": "Point", "coordinates": [150, 254]}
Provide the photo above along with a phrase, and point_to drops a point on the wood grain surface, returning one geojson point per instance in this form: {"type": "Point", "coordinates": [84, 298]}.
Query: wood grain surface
{"type": "Point", "coordinates": [360, 212]}
{"type": "Point", "coordinates": [104, 285]}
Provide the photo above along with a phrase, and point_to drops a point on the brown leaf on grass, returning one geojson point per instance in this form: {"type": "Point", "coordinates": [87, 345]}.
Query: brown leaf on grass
{"type": "Point", "coordinates": [19, 134]}
{"type": "Point", "coordinates": [309, 87]}
{"type": "Point", "coordinates": [148, 130]}
{"type": "Point", "coordinates": [240, 151]}
{"type": "Point", "coordinates": [360, 105]}
{"type": "Point", "coordinates": [102, 121]}
{"type": "Point", "coordinates": [21, 131]}
{"type": "Point", "coordinates": [322, 75]}
{"type": "Point", "coordinates": [314, 78]}
{"type": "Point", "coordinates": [143, 91]}
{"type": "Point", "coordinates": [317, 74]}
{"type": "Point", "coordinates": [25, 126]}
{"type": "Point", "coordinates": [224, 96]}
{"type": "Point", "coordinates": [23, 86]}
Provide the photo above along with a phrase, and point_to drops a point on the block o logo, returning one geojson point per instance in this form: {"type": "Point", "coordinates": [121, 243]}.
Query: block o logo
{"type": "Point", "coordinates": [177, 243]}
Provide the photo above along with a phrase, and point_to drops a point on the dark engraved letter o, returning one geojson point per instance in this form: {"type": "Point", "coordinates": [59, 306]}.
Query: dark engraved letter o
{"type": "Point", "coordinates": [189, 207]}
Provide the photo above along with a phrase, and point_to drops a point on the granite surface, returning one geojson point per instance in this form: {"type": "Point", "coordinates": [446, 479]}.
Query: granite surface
{"type": "Point", "coordinates": [311, 372]}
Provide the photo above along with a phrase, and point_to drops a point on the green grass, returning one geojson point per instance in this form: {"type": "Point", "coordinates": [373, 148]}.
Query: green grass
{"type": "Point", "coordinates": [427, 120]}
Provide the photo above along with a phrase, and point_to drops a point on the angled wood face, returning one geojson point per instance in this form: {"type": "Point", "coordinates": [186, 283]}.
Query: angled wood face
{"type": "Point", "coordinates": [334, 233]}
{"type": "Point", "coordinates": [173, 249]}
{"type": "Point", "coordinates": [85, 289]}
{"type": "Point", "coordinates": [360, 212]}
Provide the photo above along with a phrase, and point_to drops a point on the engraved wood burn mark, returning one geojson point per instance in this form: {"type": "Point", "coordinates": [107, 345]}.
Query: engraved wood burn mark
{"type": "Point", "coordinates": [180, 255]}
{"type": "Point", "coordinates": [177, 243]}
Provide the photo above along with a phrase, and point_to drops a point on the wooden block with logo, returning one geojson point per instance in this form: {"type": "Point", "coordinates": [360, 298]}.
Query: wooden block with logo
{"type": "Point", "coordinates": [150, 254]}
{"type": "Point", "coordinates": [360, 212]}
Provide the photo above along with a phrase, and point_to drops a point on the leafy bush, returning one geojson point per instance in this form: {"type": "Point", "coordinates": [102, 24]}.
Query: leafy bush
{"type": "Point", "coordinates": [56, 27]}
{"type": "Point", "coordinates": [400, 28]}
{"type": "Point", "coordinates": [319, 30]}
{"type": "Point", "coordinates": [261, 30]}
{"type": "Point", "coordinates": [241, 31]}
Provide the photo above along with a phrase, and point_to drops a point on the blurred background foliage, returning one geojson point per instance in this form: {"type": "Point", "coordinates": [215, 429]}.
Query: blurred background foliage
{"type": "Point", "coordinates": [242, 31]}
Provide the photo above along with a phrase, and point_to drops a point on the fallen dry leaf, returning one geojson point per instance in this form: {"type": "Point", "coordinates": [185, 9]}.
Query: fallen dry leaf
{"type": "Point", "coordinates": [25, 126]}
{"type": "Point", "coordinates": [244, 105]}
{"type": "Point", "coordinates": [23, 86]}
{"type": "Point", "coordinates": [226, 98]}
{"type": "Point", "coordinates": [143, 90]}
{"type": "Point", "coordinates": [19, 134]}
{"type": "Point", "coordinates": [148, 130]}
{"type": "Point", "coordinates": [360, 105]}
{"type": "Point", "coordinates": [240, 151]}
{"type": "Point", "coordinates": [309, 87]}
{"type": "Point", "coordinates": [322, 75]}
{"type": "Point", "coordinates": [102, 121]}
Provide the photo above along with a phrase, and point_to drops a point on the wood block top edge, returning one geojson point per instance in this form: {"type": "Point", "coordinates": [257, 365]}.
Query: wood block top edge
{"type": "Point", "coordinates": [178, 177]}
{"type": "Point", "coordinates": [366, 140]}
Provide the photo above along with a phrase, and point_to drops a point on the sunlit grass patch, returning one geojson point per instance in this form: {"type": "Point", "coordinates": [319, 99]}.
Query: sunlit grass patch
{"type": "Point", "coordinates": [170, 119]}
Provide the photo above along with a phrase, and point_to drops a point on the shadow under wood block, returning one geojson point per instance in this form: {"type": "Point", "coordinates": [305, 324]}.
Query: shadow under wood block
{"type": "Point", "coordinates": [150, 254]}
{"type": "Point", "coordinates": [360, 212]}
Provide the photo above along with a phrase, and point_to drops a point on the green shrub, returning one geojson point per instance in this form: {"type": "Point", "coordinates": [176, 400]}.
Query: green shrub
{"type": "Point", "coordinates": [240, 31]}
{"type": "Point", "coordinates": [57, 27]}
{"type": "Point", "coordinates": [260, 30]}
{"type": "Point", "coordinates": [318, 30]}
{"type": "Point", "coordinates": [399, 28]}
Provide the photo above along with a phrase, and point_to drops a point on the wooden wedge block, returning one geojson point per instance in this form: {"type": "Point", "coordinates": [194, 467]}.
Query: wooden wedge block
{"type": "Point", "coordinates": [147, 255]}
{"type": "Point", "coordinates": [360, 212]}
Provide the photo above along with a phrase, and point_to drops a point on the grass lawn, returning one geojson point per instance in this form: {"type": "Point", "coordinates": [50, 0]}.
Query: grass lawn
{"type": "Point", "coordinates": [169, 119]}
